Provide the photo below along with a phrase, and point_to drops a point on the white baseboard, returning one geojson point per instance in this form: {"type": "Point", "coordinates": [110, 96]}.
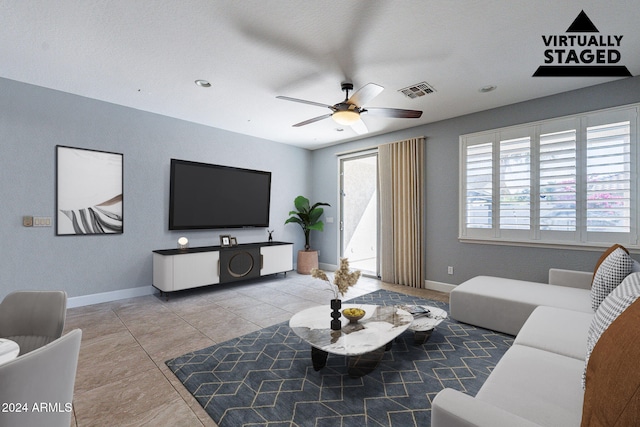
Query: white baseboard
{"type": "Point", "coordinates": [109, 296]}
{"type": "Point", "coordinates": [327, 267]}
{"type": "Point", "coordinates": [103, 297]}
{"type": "Point", "coordinates": [438, 286]}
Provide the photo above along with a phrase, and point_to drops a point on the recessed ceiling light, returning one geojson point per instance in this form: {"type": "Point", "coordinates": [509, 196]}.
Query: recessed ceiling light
{"type": "Point", "coordinates": [203, 83]}
{"type": "Point", "coordinates": [489, 88]}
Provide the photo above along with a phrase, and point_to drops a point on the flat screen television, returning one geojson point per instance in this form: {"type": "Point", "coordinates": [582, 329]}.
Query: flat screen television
{"type": "Point", "coordinates": [207, 196]}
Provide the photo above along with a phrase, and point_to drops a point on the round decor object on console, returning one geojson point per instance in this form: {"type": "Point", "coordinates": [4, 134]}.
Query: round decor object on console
{"type": "Point", "coordinates": [183, 243]}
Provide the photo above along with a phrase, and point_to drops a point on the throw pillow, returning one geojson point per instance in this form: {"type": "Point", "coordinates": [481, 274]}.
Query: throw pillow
{"type": "Point", "coordinates": [610, 309]}
{"type": "Point", "coordinates": [612, 267]}
{"type": "Point", "coordinates": [612, 396]}
{"type": "Point", "coordinates": [605, 254]}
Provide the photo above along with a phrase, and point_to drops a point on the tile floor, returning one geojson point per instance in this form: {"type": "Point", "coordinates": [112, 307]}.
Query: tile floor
{"type": "Point", "coordinates": [122, 379]}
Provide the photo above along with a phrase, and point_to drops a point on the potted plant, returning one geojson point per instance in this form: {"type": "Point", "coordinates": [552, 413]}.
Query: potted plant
{"type": "Point", "coordinates": [308, 217]}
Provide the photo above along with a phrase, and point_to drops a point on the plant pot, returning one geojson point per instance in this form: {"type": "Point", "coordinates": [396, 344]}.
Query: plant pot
{"type": "Point", "coordinates": [306, 261]}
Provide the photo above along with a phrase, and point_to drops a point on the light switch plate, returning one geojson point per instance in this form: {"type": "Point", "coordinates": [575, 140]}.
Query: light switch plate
{"type": "Point", "coordinates": [27, 221]}
{"type": "Point", "coordinates": [42, 221]}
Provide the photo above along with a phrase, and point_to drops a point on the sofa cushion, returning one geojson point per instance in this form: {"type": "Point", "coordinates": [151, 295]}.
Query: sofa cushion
{"type": "Point", "coordinates": [504, 305]}
{"type": "Point", "coordinates": [611, 269]}
{"type": "Point", "coordinates": [612, 394]}
{"type": "Point", "coordinates": [610, 309]}
{"type": "Point", "coordinates": [537, 385]}
{"type": "Point", "coordinates": [557, 330]}
{"type": "Point", "coordinates": [453, 408]}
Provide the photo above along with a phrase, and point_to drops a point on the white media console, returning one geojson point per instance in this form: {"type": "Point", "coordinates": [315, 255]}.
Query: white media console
{"type": "Point", "coordinates": [177, 269]}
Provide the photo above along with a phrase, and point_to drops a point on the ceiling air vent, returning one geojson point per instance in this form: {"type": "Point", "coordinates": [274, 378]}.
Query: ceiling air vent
{"type": "Point", "coordinates": [417, 90]}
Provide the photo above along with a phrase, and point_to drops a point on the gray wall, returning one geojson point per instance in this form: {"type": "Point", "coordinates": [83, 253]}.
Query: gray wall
{"type": "Point", "coordinates": [33, 120]}
{"type": "Point", "coordinates": [441, 211]}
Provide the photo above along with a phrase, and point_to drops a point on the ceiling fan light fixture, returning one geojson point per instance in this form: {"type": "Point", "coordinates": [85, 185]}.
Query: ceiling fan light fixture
{"type": "Point", "coordinates": [346, 117]}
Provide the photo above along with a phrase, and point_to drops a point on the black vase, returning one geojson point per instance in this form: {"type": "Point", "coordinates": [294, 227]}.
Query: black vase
{"type": "Point", "coordinates": [336, 324]}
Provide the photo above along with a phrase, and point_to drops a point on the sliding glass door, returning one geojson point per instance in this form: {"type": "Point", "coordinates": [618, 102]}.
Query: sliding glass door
{"type": "Point", "coordinates": [359, 211]}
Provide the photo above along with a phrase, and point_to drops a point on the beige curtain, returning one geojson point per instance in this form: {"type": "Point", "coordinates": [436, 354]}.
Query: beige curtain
{"type": "Point", "coordinates": [401, 181]}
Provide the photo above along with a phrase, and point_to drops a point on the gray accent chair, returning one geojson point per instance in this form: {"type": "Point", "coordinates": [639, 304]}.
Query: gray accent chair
{"type": "Point", "coordinates": [43, 380]}
{"type": "Point", "coordinates": [33, 318]}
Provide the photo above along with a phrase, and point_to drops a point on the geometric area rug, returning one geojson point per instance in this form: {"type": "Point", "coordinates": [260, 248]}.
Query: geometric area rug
{"type": "Point", "coordinates": [266, 378]}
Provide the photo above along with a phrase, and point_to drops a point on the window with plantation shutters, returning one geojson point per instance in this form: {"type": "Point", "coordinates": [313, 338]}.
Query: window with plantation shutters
{"type": "Point", "coordinates": [567, 181]}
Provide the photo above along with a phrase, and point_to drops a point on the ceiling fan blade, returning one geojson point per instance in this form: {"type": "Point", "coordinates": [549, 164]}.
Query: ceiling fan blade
{"type": "Point", "coordinates": [359, 127]}
{"type": "Point", "coordinates": [315, 119]}
{"type": "Point", "coordinates": [317, 104]}
{"type": "Point", "coordinates": [394, 112]}
{"type": "Point", "coordinates": [365, 94]}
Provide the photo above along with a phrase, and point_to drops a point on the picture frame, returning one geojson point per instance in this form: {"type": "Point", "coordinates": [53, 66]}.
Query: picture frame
{"type": "Point", "coordinates": [225, 240]}
{"type": "Point", "coordinates": [89, 192]}
{"type": "Point", "coordinates": [233, 241]}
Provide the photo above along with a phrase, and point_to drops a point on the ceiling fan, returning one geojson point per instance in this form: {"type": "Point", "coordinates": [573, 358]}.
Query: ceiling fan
{"type": "Point", "coordinates": [348, 112]}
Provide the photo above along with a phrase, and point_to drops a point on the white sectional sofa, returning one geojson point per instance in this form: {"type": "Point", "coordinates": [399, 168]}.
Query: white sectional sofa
{"type": "Point", "coordinates": [538, 382]}
{"type": "Point", "coordinates": [505, 304]}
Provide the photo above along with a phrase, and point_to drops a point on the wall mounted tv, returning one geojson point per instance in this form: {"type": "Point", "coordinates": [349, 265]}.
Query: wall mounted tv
{"type": "Point", "coordinates": [206, 196]}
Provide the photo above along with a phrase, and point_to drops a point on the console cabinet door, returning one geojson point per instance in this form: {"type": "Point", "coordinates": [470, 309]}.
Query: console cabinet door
{"type": "Point", "coordinates": [175, 272]}
{"type": "Point", "coordinates": [196, 269]}
{"type": "Point", "coordinates": [276, 259]}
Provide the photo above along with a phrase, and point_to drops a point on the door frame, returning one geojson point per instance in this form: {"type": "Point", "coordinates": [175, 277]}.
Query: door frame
{"type": "Point", "coordinates": [339, 229]}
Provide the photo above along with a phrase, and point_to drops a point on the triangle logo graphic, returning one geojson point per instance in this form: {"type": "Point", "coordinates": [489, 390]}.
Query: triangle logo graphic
{"type": "Point", "coordinates": [582, 51]}
{"type": "Point", "coordinates": [582, 24]}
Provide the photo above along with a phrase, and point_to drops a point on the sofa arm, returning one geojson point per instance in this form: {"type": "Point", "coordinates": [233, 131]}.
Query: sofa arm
{"type": "Point", "coordinates": [570, 278]}
{"type": "Point", "coordinates": [452, 408]}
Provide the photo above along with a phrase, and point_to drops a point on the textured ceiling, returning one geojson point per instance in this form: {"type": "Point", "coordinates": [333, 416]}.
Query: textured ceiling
{"type": "Point", "coordinates": [146, 54]}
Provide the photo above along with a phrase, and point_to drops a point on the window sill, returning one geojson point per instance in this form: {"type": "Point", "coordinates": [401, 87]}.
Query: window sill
{"type": "Point", "coordinates": [593, 247]}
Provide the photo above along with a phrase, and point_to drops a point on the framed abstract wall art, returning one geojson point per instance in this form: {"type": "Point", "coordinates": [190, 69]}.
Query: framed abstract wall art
{"type": "Point", "coordinates": [89, 187]}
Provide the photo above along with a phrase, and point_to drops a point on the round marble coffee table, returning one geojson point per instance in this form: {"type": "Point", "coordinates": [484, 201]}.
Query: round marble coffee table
{"type": "Point", "coordinates": [364, 342]}
{"type": "Point", "coordinates": [424, 323]}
